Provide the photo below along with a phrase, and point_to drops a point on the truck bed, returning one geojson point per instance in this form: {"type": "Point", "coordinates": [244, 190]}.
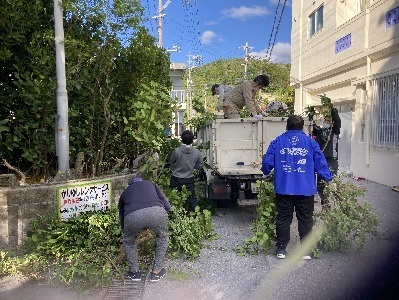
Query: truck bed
{"type": "Point", "coordinates": [236, 146]}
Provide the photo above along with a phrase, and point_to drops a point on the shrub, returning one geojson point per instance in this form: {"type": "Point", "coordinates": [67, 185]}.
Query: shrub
{"type": "Point", "coordinates": [264, 226]}
{"type": "Point", "coordinates": [347, 222]}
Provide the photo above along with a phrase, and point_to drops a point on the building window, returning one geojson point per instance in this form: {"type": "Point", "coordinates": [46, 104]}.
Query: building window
{"type": "Point", "coordinates": [392, 17]}
{"type": "Point", "coordinates": [385, 112]}
{"type": "Point", "coordinates": [347, 9]}
{"type": "Point", "coordinates": [316, 21]}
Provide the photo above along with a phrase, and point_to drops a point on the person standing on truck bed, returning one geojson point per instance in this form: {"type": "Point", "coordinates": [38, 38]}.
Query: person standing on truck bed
{"type": "Point", "coordinates": [243, 95]}
{"type": "Point", "coordinates": [295, 158]}
{"type": "Point", "coordinates": [184, 160]}
{"type": "Point", "coordinates": [222, 91]}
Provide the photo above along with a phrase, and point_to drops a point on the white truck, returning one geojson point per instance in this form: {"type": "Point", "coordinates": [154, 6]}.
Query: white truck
{"type": "Point", "coordinates": [233, 148]}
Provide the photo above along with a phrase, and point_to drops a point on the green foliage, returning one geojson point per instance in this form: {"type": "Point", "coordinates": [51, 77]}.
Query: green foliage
{"type": "Point", "coordinates": [27, 60]}
{"type": "Point", "coordinates": [231, 72]}
{"type": "Point", "coordinates": [86, 251]}
{"type": "Point", "coordinates": [31, 264]}
{"type": "Point", "coordinates": [285, 94]}
{"type": "Point", "coordinates": [187, 230]}
{"type": "Point", "coordinates": [79, 250]}
{"type": "Point", "coordinates": [264, 226]}
{"type": "Point", "coordinates": [112, 64]}
{"type": "Point", "coordinates": [347, 222]}
{"type": "Point", "coordinates": [326, 105]}
{"type": "Point", "coordinates": [310, 112]}
{"type": "Point", "coordinates": [199, 121]}
{"type": "Point", "coordinates": [149, 115]}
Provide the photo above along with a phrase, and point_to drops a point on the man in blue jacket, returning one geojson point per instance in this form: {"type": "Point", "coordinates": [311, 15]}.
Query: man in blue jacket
{"type": "Point", "coordinates": [295, 158]}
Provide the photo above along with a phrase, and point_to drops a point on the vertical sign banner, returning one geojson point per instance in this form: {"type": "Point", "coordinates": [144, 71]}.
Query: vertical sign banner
{"type": "Point", "coordinates": [92, 196]}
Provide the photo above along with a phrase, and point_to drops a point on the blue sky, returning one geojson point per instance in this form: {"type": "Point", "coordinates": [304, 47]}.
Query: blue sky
{"type": "Point", "coordinates": [216, 29]}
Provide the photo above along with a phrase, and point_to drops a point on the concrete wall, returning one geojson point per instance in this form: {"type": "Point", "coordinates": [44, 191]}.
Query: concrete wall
{"type": "Point", "coordinates": [20, 204]}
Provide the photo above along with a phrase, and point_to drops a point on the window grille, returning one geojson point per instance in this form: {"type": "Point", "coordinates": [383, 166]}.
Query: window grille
{"type": "Point", "coordinates": [392, 17]}
{"type": "Point", "coordinates": [385, 112]}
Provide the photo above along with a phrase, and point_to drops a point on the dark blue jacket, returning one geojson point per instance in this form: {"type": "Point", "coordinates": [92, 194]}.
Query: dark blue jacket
{"type": "Point", "coordinates": [138, 195]}
{"type": "Point", "coordinates": [295, 158]}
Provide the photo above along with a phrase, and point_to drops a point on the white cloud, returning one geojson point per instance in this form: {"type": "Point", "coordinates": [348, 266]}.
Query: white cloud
{"type": "Point", "coordinates": [245, 12]}
{"type": "Point", "coordinates": [281, 53]}
{"type": "Point", "coordinates": [210, 23]}
{"type": "Point", "coordinates": [208, 37]}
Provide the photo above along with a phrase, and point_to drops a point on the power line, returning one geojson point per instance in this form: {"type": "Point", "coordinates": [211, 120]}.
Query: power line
{"type": "Point", "coordinates": [278, 26]}
{"type": "Point", "coordinates": [274, 24]}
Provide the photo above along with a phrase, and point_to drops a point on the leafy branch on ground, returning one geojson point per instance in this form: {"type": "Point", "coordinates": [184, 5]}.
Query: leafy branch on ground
{"type": "Point", "coordinates": [348, 223]}
{"type": "Point", "coordinates": [87, 251]}
{"type": "Point", "coordinates": [264, 226]}
{"type": "Point", "coordinates": [79, 251]}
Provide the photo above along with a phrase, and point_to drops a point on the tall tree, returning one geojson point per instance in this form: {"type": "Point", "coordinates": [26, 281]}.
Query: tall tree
{"type": "Point", "coordinates": [112, 63]}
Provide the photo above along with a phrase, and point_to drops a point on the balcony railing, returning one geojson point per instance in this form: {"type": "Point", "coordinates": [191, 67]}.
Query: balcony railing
{"type": "Point", "coordinates": [179, 95]}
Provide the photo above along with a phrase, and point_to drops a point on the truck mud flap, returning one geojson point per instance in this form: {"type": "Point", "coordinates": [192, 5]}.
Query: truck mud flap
{"type": "Point", "coordinates": [219, 190]}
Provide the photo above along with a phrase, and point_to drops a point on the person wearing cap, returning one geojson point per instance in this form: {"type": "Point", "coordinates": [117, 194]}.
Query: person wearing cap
{"type": "Point", "coordinates": [144, 205]}
{"type": "Point", "coordinates": [243, 95]}
{"type": "Point", "coordinates": [222, 91]}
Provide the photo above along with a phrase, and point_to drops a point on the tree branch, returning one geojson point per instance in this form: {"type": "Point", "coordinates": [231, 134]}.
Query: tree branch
{"type": "Point", "coordinates": [19, 172]}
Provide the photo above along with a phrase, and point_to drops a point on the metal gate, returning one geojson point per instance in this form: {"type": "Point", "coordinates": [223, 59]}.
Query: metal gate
{"type": "Point", "coordinates": [385, 112]}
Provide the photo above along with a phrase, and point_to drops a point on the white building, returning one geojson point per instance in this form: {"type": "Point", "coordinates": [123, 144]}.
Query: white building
{"type": "Point", "coordinates": [176, 75]}
{"type": "Point", "coordinates": [349, 50]}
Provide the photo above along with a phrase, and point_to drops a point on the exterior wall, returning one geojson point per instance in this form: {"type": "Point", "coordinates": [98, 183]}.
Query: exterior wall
{"type": "Point", "coordinates": [346, 76]}
{"type": "Point", "coordinates": [19, 205]}
{"type": "Point", "coordinates": [176, 76]}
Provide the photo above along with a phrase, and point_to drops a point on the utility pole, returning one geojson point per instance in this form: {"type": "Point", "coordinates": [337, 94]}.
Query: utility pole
{"type": "Point", "coordinates": [205, 88]}
{"type": "Point", "coordinates": [62, 130]}
{"type": "Point", "coordinates": [245, 64]}
{"type": "Point", "coordinates": [159, 17]}
{"type": "Point", "coordinates": [191, 64]}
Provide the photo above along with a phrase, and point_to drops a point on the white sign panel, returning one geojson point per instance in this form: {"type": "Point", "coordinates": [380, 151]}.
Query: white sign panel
{"type": "Point", "coordinates": [78, 198]}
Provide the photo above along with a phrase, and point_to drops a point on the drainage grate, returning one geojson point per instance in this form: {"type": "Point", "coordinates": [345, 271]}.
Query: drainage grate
{"type": "Point", "coordinates": [130, 290]}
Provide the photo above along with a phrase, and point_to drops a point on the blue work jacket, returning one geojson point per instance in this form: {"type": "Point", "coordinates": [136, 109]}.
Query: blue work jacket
{"type": "Point", "coordinates": [295, 158]}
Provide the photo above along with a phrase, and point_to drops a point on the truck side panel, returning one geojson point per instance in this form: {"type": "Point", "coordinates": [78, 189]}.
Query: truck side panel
{"type": "Point", "coordinates": [237, 145]}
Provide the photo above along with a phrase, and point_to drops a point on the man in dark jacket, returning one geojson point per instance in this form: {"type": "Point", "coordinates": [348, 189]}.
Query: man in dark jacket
{"type": "Point", "coordinates": [184, 160]}
{"type": "Point", "coordinates": [144, 205]}
{"type": "Point", "coordinates": [327, 137]}
{"type": "Point", "coordinates": [295, 158]}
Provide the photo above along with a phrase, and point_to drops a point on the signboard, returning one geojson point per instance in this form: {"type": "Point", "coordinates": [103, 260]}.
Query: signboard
{"type": "Point", "coordinates": [78, 198]}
